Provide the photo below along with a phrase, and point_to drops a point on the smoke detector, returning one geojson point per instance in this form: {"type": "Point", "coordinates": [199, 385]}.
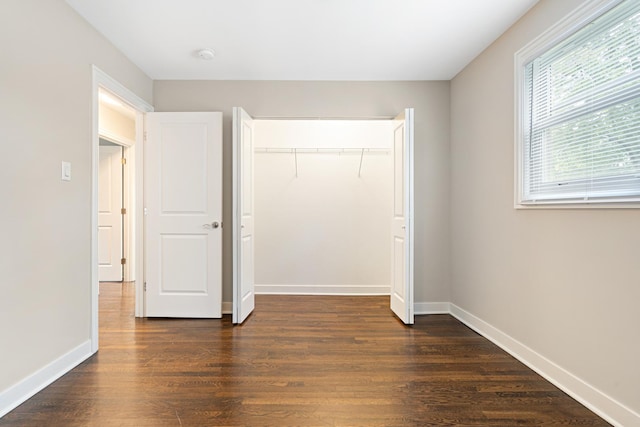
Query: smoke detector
{"type": "Point", "coordinates": [206, 54]}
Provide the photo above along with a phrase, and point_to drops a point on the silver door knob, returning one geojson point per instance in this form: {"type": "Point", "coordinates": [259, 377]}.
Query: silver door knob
{"type": "Point", "coordinates": [215, 224]}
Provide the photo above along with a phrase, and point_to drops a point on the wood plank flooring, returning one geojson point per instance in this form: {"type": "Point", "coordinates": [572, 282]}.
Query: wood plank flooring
{"type": "Point", "coordinates": [297, 361]}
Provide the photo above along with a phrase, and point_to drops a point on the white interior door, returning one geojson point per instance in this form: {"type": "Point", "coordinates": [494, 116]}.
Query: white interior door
{"type": "Point", "coordinates": [243, 243]}
{"type": "Point", "coordinates": [183, 205]}
{"type": "Point", "coordinates": [402, 222]}
{"type": "Point", "coordinates": [109, 214]}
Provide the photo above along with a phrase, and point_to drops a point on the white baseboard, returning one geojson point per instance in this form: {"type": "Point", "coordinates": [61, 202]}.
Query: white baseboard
{"type": "Point", "coordinates": [420, 308]}
{"type": "Point", "coordinates": [601, 404]}
{"type": "Point", "coordinates": [322, 289]}
{"type": "Point", "coordinates": [17, 394]}
{"type": "Point", "coordinates": [227, 307]}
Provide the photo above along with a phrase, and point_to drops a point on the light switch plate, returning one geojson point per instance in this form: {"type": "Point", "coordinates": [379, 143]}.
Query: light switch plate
{"type": "Point", "coordinates": [66, 171]}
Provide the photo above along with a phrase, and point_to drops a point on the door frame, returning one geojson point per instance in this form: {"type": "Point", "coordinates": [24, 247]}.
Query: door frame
{"type": "Point", "coordinates": [409, 175]}
{"type": "Point", "coordinates": [100, 79]}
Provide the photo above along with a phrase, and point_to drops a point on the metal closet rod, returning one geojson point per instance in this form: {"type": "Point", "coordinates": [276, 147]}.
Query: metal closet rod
{"type": "Point", "coordinates": [294, 151]}
{"type": "Point", "coordinates": [320, 150]}
{"type": "Point", "coordinates": [323, 118]}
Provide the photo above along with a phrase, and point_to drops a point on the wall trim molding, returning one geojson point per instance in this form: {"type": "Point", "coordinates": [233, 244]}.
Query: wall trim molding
{"type": "Point", "coordinates": [421, 308]}
{"type": "Point", "coordinates": [227, 307]}
{"type": "Point", "coordinates": [595, 400]}
{"type": "Point", "coordinates": [301, 289]}
{"type": "Point", "coordinates": [115, 138]}
{"type": "Point", "coordinates": [20, 392]}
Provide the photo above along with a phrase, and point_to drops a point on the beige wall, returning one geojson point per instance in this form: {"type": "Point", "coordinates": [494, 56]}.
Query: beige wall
{"type": "Point", "coordinates": [45, 117]}
{"type": "Point", "coordinates": [564, 282]}
{"type": "Point", "coordinates": [344, 99]}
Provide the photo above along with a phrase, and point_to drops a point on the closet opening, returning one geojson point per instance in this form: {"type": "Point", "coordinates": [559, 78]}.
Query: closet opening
{"type": "Point", "coordinates": [323, 207]}
{"type": "Point", "coordinates": [323, 195]}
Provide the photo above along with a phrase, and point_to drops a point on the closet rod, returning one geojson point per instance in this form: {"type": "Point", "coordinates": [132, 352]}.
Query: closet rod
{"type": "Point", "coordinates": [323, 118]}
{"type": "Point", "coordinates": [306, 150]}
{"type": "Point", "coordinates": [294, 151]}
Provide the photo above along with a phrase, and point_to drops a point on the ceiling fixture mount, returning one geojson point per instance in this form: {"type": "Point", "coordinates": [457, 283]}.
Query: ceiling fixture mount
{"type": "Point", "coordinates": [206, 54]}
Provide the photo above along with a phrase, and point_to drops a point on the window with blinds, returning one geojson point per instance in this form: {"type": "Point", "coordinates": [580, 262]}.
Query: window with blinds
{"type": "Point", "coordinates": [580, 113]}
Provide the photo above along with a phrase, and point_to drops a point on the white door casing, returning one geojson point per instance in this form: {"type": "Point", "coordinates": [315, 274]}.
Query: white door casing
{"type": "Point", "coordinates": [402, 222]}
{"type": "Point", "coordinates": [183, 205]}
{"type": "Point", "coordinates": [109, 214]}
{"type": "Point", "coordinates": [243, 243]}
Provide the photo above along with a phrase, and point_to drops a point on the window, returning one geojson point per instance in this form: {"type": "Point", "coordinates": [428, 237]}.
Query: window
{"type": "Point", "coordinates": [578, 109]}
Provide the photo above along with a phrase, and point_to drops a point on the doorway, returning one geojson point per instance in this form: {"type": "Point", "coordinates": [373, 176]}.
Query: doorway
{"type": "Point", "coordinates": [130, 138]}
{"type": "Point", "coordinates": [400, 221]}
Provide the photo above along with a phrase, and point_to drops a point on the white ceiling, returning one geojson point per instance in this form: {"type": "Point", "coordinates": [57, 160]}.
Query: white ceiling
{"type": "Point", "coordinates": [302, 39]}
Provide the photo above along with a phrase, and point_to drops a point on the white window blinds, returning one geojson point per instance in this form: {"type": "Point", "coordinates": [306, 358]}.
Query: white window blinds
{"type": "Point", "coordinates": [581, 114]}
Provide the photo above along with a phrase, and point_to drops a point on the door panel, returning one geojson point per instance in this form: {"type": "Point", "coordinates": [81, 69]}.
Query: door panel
{"type": "Point", "coordinates": [243, 244]}
{"type": "Point", "coordinates": [183, 203]}
{"type": "Point", "coordinates": [402, 222]}
{"type": "Point", "coordinates": [184, 165]}
{"type": "Point", "coordinates": [109, 214]}
{"type": "Point", "coordinates": [176, 253]}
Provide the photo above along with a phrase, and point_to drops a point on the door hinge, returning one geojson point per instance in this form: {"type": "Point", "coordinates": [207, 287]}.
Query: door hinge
{"type": "Point", "coordinates": [123, 211]}
{"type": "Point", "coordinates": [145, 286]}
{"type": "Point", "coordinates": [123, 161]}
{"type": "Point", "coordinates": [144, 136]}
{"type": "Point", "coordinates": [123, 261]}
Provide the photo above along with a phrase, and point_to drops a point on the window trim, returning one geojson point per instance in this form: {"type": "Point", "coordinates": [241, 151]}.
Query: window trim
{"type": "Point", "coordinates": [571, 23]}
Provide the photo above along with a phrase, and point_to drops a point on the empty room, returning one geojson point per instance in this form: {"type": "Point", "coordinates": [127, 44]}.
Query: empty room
{"type": "Point", "coordinates": [321, 213]}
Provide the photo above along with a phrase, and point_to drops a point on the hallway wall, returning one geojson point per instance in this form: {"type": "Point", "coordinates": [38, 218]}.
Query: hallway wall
{"type": "Point", "coordinates": [344, 99]}
{"type": "Point", "coordinates": [45, 118]}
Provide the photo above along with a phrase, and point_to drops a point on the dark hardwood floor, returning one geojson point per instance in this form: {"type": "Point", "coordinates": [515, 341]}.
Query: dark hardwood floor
{"type": "Point", "coordinates": [297, 361]}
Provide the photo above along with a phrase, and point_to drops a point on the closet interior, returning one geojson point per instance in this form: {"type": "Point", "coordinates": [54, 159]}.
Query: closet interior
{"type": "Point", "coordinates": [323, 198]}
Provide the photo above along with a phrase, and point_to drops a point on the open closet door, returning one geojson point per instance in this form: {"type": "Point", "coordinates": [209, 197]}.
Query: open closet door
{"type": "Point", "coordinates": [402, 222]}
{"type": "Point", "coordinates": [183, 210]}
{"type": "Point", "coordinates": [243, 245]}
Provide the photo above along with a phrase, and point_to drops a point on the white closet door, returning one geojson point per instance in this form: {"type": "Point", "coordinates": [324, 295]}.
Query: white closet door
{"type": "Point", "coordinates": [402, 222]}
{"type": "Point", "coordinates": [109, 214]}
{"type": "Point", "coordinates": [243, 243]}
{"type": "Point", "coordinates": [183, 204]}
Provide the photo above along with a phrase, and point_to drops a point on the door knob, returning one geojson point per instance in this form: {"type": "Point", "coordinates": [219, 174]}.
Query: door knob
{"type": "Point", "coordinates": [214, 224]}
